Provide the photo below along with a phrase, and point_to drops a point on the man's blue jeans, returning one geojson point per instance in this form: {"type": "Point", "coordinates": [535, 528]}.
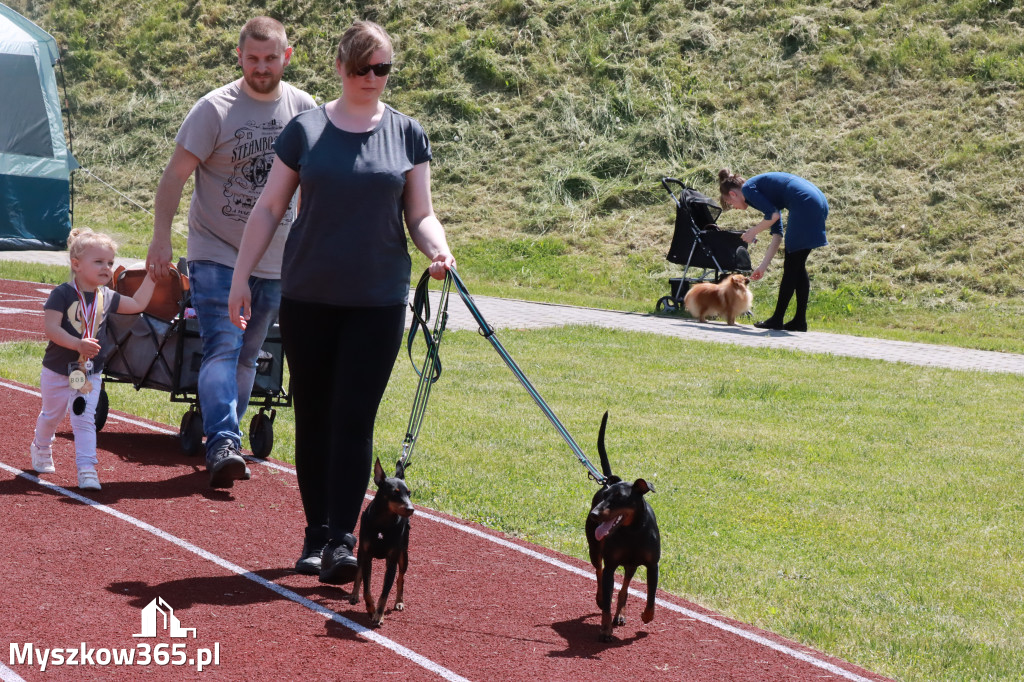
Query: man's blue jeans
{"type": "Point", "coordinates": [229, 355]}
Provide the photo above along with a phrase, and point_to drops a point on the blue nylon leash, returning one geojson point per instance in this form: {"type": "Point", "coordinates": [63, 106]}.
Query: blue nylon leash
{"type": "Point", "coordinates": [432, 362]}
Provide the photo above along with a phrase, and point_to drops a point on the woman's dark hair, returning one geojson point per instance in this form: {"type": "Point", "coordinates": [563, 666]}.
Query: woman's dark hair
{"type": "Point", "coordinates": [727, 181]}
{"type": "Point", "coordinates": [360, 41]}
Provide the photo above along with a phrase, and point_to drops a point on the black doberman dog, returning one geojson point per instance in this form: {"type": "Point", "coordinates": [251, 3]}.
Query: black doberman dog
{"type": "Point", "coordinates": [621, 531]}
{"type": "Point", "coordinates": [384, 534]}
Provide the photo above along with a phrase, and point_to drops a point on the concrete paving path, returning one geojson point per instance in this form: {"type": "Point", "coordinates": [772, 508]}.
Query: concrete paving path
{"type": "Point", "coordinates": [504, 313]}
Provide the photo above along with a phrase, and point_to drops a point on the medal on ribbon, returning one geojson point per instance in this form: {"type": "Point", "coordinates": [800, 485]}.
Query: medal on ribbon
{"type": "Point", "coordinates": [77, 380]}
{"type": "Point", "coordinates": [88, 315]}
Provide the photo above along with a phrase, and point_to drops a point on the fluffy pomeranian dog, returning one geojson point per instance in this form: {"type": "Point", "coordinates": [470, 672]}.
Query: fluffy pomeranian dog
{"type": "Point", "coordinates": [730, 298]}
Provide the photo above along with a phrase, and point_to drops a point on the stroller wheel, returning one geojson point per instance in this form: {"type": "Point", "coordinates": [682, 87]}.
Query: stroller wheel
{"type": "Point", "coordinates": [191, 432]}
{"type": "Point", "coordinates": [666, 304]}
{"type": "Point", "coordinates": [261, 434]}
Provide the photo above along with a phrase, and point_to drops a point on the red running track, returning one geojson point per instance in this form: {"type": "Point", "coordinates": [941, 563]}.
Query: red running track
{"type": "Point", "coordinates": [21, 310]}
{"type": "Point", "coordinates": [80, 568]}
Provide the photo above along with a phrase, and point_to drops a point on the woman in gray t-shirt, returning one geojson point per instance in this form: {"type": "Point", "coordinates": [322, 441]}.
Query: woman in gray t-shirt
{"type": "Point", "coordinates": [363, 169]}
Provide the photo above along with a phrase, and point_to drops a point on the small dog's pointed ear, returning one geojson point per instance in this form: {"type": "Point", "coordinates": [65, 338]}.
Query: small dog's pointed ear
{"type": "Point", "coordinates": [400, 469]}
{"type": "Point", "coordinates": [642, 487]}
{"type": "Point", "coordinates": [378, 473]}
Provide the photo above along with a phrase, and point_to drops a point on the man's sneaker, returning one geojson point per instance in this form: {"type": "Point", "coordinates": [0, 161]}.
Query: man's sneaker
{"type": "Point", "coordinates": [42, 459]}
{"type": "Point", "coordinates": [309, 563]}
{"type": "Point", "coordinates": [226, 465]}
{"type": "Point", "coordinates": [88, 480]}
{"type": "Point", "coordinates": [337, 565]}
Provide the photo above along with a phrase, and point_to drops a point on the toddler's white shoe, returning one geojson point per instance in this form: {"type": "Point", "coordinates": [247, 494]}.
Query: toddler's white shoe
{"type": "Point", "coordinates": [88, 480]}
{"type": "Point", "coordinates": [42, 459]}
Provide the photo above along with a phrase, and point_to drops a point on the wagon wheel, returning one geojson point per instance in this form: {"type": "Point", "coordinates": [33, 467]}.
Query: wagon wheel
{"type": "Point", "coordinates": [191, 432]}
{"type": "Point", "coordinates": [261, 434]}
{"type": "Point", "coordinates": [102, 408]}
{"type": "Point", "coordinates": [666, 304]}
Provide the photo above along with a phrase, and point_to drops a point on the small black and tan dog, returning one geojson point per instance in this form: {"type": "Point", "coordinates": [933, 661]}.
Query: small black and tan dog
{"type": "Point", "coordinates": [384, 534]}
{"type": "Point", "coordinates": [621, 531]}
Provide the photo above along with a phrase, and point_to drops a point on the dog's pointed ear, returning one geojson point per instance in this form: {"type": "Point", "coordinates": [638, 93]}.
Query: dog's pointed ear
{"type": "Point", "coordinates": [378, 473]}
{"type": "Point", "coordinates": [400, 469]}
{"type": "Point", "coordinates": [642, 487]}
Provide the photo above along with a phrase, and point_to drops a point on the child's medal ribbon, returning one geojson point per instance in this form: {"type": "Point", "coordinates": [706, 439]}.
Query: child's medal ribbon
{"type": "Point", "coordinates": [88, 314]}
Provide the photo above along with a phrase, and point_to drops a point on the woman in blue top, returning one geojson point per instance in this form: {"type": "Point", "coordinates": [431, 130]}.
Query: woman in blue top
{"type": "Point", "coordinates": [364, 173]}
{"type": "Point", "coordinates": [804, 230]}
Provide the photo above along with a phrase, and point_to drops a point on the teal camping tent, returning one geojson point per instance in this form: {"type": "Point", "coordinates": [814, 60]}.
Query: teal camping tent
{"type": "Point", "coordinates": [35, 163]}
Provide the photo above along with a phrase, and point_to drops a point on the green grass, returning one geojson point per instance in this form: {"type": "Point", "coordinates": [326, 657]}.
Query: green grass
{"type": "Point", "coordinates": [867, 509]}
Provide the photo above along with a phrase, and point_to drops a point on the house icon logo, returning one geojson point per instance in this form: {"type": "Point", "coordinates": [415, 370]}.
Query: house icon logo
{"type": "Point", "coordinates": [170, 622]}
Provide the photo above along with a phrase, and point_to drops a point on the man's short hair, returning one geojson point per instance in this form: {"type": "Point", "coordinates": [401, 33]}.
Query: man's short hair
{"type": "Point", "coordinates": [263, 28]}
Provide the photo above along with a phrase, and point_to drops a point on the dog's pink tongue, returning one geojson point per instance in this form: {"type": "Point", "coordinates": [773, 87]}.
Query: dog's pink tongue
{"type": "Point", "coordinates": [602, 531]}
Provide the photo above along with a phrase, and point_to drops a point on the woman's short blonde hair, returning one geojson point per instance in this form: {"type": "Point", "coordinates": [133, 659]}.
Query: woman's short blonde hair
{"type": "Point", "coordinates": [358, 44]}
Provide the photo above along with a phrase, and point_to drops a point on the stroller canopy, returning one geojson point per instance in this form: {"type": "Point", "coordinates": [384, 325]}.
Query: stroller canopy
{"type": "Point", "coordinates": [35, 163]}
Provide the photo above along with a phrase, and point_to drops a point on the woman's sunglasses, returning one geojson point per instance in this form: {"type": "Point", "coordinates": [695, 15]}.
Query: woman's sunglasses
{"type": "Point", "coordinates": [379, 70]}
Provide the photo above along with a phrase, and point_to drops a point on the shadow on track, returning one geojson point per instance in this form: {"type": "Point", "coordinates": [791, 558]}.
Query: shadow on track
{"type": "Point", "coordinates": [581, 637]}
{"type": "Point", "coordinates": [219, 590]}
{"type": "Point", "coordinates": [147, 449]}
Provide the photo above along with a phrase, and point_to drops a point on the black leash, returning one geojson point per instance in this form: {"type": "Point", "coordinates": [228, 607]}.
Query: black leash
{"type": "Point", "coordinates": [432, 364]}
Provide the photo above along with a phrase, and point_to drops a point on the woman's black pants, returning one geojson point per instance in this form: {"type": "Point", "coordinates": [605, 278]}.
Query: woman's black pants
{"type": "Point", "coordinates": [795, 280]}
{"type": "Point", "coordinates": [340, 360]}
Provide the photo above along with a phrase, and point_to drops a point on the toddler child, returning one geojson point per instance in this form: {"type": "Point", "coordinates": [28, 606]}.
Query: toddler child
{"type": "Point", "coordinates": [75, 320]}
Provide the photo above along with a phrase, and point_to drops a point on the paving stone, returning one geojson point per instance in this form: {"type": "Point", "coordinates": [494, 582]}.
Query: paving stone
{"type": "Point", "coordinates": [503, 313]}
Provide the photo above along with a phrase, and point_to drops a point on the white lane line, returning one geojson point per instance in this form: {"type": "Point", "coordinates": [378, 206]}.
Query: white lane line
{"type": "Point", "coordinates": [389, 644]}
{"type": "Point", "coordinates": [23, 331]}
{"type": "Point", "coordinates": [8, 675]}
{"type": "Point", "coordinates": [19, 298]}
{"type": "Point", "coordinates": [4, 310]}
{"type": "Point", "coordinates": [708, 620]}
{"type": "Point", "coordinates": [714, 622]}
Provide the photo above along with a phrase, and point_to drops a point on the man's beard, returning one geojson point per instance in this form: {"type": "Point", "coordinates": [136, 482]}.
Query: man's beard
{"type": "Point", "coordinates": [268, 85]}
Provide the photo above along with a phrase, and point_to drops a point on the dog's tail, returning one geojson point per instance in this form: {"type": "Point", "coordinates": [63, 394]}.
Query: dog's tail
{"type": "Point", "coordinates": [606, 468]}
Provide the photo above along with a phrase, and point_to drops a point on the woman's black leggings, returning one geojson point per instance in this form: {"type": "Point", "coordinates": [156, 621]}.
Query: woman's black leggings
{"type": "Point", "coordinates": [794, 280]}
{"type": "Point", "coordinates": [340, 360]}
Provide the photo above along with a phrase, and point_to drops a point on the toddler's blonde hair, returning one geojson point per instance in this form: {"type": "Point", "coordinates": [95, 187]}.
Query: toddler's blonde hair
{"type": "Point", "coordinates": [82, 238]}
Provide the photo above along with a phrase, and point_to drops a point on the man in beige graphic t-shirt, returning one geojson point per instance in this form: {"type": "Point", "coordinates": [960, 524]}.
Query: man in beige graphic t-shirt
{"type": "Point", "coordinates": [227, 142]}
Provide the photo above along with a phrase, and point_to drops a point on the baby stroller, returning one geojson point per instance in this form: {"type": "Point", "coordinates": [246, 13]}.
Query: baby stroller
{"type": "Point", "coordinates": [699, 243]}
{"type": "Point", "coordinates": [161, 349]}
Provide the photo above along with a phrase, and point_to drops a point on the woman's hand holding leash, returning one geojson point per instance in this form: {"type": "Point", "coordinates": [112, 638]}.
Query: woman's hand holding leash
{"type": "Point", "coordinates": [441, 264]}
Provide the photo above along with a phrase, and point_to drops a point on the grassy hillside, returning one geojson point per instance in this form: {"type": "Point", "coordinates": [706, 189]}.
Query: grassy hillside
{"type": "Point", "coordinates": [552, 123]}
